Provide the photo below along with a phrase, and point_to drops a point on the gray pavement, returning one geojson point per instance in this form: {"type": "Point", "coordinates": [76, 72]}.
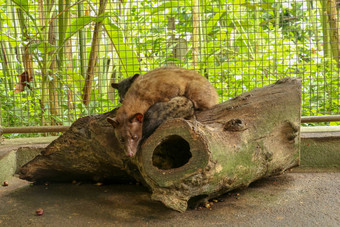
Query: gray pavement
{"type": "Point", "coordinates": [297, 198]}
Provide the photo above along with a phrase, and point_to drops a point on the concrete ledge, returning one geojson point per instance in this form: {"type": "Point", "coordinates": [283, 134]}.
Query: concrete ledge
{"type": "Point", "coordinates": [16, 152]}
{"type": "Point", "coordinates": [320, 149]}
{"type": "Point", "coordinates": [7, 165]}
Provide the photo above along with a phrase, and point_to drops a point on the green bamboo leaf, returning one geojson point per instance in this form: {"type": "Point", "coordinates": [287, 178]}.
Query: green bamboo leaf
{"type": "Point", "coordinates": [77, 79]}
{"type": "Point", "coordinates": [43, 47]}
{"type": "Point", "coordinates": [14, 42]}
{"type": "Point", "coordinates": [76, 25]}
{"type": "Point", "coordinates": [5, 18]}
{"type": "Point", "coordinates": [23, 4]}
{"type": "Point", "coordinates": [175, 60]}
{"type": "Point", "coordinates": [168, 5]}
{"type": "Point", "coordinates": [212, 22]}
{"type": "Point", "coordinates": [239, 2]}
{"type": "Point", "coordinates": [266, 6]}
{"type": "Point", "coordinates": [127, 56]}
{"type": "Point", "coordinates": [79, 23]}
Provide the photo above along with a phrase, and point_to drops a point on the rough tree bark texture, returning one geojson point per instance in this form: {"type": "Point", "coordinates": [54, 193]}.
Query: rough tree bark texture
{"type": "Point", "coordinates": [254, 135]}
{"type": "Point", "coordinates": [87, 151]}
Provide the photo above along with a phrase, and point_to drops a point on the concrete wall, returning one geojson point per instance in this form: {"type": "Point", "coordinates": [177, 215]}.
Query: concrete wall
{"type": "Point", "coordinates": [320, 149]}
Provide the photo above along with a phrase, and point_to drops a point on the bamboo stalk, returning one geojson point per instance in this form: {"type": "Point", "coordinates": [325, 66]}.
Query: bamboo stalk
{"type": "Point", "coordinates": [93, 56]}
{"type": "Point", "coordinates": [204, 70]}
{"type": "Point", "coordinates": [22, 24]}
{"type": "Point", "coordinates": [330, 7]}
{"type": "Point", "coordinates": [102, 74]}
{"type": "Point", "coordinates": [9, 49]}
{"type": "Point", "coordinates": [44, 80]}
{"type": "Point", "coordinates": [7, 61]}
{"type": "Point", "coordinates": [68, 46]}
{"type": "Point", "coordinates": [69, 60]}
{"type": "Point", "coordinates": [277, 27]}
{"type": "Point", "coordinates": [112, 73]}
{"type": "Point", "coordinates": [16, 51]}
{"type": "Point", "coordinates": [61, 32]}
{"type": "Point", "coordinates": [26, 56]}
{"type": "Point", "coordinates": [82, 43]}
{"type": "Point", "coordinates": [53, 84]}
{"type": "Point", "coordinates": [325, 30]}
{"type": "Point", "coordinates": [313, 20]}
{"type": "Point", "coordinates": [195, 32]}
{"type": "Point", "coordinates": [4, 64]}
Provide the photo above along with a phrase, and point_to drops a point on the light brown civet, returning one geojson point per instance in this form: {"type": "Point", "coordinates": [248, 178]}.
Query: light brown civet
{"type": "Point", "coordinates": [159, 85]}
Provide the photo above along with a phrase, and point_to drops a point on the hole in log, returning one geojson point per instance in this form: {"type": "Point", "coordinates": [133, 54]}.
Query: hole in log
{"type": "Point", "coordinates": [195, 201]}
{"type": "Point", "coordinates": [173, 152]}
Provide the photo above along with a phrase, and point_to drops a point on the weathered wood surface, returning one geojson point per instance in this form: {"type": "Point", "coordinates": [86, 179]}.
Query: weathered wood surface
{"type": "Point", "coordinates": [254, 135]}
{"type": "Point", "coordinates": [87, 151]}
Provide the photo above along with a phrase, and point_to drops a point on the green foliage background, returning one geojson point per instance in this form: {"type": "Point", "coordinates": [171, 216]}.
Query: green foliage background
{"type": "Point", "coordinates": [241, 45]}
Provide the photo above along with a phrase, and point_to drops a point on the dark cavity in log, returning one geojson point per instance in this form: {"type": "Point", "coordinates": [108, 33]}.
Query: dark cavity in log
{"type": "Point", "coordinates": [172, 153]}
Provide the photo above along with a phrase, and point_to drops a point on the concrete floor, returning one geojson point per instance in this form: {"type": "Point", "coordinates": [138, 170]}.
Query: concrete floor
{"type": "Point", "coordinates": [294, 199]}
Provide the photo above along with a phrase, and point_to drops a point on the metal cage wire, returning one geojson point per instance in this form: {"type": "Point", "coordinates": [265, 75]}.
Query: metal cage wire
{"type": "Point", "coordinates": [58, 58]}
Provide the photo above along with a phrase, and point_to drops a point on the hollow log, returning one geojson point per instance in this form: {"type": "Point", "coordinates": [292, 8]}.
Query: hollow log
{"type": "Point", "coordinates": [254, 135]}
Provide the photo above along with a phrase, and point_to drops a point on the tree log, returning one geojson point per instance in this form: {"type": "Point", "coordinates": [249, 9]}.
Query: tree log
{"type": "Point", "coordinates": [254, 135]}
{"type": "Point", "coordinates": [88, 151]}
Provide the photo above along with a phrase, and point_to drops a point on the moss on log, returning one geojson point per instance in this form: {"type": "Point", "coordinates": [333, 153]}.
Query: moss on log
{"type": "Point", "coordinates": [254, 135]}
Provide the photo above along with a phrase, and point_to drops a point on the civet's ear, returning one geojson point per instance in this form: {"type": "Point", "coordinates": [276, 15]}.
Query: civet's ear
{"type": "Point", "coordinates": [115, 85]}
{"type": "Point", "coordinates": [138, 117]}
{"type": "Point", "coordinates": [135, 77]}
{"type": "Point", "coordinates": [113, 121]}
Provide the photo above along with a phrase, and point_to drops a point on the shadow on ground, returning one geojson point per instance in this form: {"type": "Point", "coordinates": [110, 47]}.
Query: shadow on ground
{"type": "Point", "coordinates": [292, 199]}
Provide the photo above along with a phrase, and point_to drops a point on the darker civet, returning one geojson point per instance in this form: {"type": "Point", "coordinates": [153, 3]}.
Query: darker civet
{"type": "Point", "coordinates": [123, 86]}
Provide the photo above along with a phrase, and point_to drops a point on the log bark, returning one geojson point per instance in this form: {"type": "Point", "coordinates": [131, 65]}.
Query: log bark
{"type": "Point", "coordinates": [254, 135]}
{"type": "Point", "coordinates": [88, 151]}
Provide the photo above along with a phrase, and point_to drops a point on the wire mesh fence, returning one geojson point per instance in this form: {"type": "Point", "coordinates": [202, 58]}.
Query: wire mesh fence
{"type": "Point", "coordinates": [59, 58]}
